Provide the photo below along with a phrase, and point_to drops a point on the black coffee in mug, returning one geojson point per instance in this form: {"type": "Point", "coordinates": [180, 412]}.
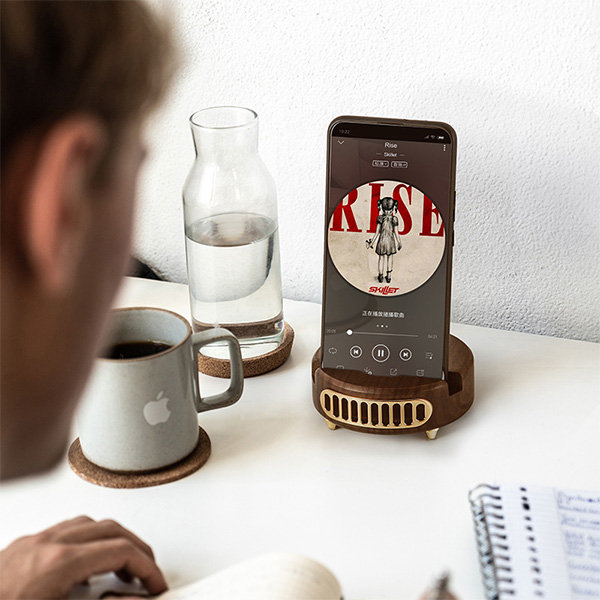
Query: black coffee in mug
{"type": "Point", "coordinates": [124, 350]}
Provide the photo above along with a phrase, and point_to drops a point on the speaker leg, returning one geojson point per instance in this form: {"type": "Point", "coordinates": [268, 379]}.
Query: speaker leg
{"type": "Point", "coordinates": [432, 433]}
{"type": "Point", "coordinates": [331, 425]}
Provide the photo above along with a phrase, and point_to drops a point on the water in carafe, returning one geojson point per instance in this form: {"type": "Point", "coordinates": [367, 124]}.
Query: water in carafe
{"type": "Point", "coordinates": [236, 280]}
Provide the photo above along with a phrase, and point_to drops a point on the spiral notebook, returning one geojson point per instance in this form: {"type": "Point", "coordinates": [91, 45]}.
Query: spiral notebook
{"type": "Point", "coordinates": [537, 542]}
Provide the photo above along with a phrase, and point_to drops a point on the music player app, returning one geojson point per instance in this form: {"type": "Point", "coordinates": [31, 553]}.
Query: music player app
{"type": "Point", "coordinates": [388, 245]}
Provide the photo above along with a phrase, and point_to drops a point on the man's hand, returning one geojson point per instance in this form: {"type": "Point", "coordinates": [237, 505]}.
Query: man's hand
{"type": "Point", "coordinates": [49, 564]}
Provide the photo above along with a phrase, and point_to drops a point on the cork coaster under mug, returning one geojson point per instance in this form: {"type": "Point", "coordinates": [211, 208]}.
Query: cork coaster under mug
{"type": "Point", "coordinates": [138, 479]}
{"type": "Point", "coordinates": [255, 365]}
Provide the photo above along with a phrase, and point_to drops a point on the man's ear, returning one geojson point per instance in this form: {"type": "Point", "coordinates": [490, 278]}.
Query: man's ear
{"type": "Point", "coordinates": [58, 200]}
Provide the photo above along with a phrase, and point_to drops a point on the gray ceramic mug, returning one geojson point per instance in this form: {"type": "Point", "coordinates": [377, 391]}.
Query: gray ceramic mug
{"type": "Point", "coordinates": [140, 414]}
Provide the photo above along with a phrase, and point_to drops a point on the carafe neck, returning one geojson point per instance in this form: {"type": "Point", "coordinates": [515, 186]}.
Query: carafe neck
{"type": "Point", "coordinates": [225, 133]}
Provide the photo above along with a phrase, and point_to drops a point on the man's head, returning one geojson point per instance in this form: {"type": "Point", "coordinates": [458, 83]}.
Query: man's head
{"type": "Point", "coordinates": [77, 80]}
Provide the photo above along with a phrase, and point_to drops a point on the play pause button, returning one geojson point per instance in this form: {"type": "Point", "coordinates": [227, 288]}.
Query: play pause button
{"type": "Point", "coordinates": [405, 354]}
{"type": "Point", "coordinates": [380, 353]}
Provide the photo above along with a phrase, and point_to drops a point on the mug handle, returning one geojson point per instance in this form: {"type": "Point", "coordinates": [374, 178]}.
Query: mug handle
{"type": "Point", "coordinates": [236, 385]}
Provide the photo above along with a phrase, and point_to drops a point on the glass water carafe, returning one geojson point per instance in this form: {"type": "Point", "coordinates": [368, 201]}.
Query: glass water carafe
{"type": "Point", "coordinates": [231, 233]}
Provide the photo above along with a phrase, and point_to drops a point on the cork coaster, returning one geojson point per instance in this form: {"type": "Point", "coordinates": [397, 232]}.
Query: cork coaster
{"type": "Point", "coordinates": [118, 479]}
{"type": "Point", "coordinates": [256, 365]}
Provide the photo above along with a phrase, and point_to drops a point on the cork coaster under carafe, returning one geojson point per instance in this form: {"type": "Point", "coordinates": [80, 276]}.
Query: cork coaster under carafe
{"type": "Point", "coordinates": [255, 365]}
{"type": "Point", "coordinates": [138, 479]}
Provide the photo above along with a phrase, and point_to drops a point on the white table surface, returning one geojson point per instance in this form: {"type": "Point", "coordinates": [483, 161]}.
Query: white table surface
{"type": "Point", "coordinates": [385, 513]}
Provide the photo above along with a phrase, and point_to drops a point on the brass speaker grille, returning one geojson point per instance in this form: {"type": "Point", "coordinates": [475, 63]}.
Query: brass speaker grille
{"type": "Point", "coordinates": [394, 414]}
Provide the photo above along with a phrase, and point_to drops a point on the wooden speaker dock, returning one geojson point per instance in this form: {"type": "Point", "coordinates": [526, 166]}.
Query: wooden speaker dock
{"type": "Point", "coordinates": [394, 405]}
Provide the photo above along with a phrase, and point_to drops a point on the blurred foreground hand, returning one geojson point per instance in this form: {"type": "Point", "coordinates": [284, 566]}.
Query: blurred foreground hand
{"type": "Point", "coordinates": [49, 564]}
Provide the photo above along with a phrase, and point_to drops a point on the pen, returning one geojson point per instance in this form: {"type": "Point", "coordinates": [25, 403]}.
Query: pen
{"type": "Point", "coordinates": [439, 590]}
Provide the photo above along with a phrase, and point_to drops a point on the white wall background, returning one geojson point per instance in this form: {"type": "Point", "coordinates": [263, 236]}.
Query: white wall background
{"type": "Point", "coordinates": [519, 81]}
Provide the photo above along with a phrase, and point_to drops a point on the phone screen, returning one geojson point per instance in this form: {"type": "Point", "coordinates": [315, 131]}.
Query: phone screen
{"type": "Point", "coordinates": [388, 241]}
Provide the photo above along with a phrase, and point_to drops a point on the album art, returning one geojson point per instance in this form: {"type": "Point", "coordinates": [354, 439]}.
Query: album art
{"type": "Point", "coordinates": [386, 238]}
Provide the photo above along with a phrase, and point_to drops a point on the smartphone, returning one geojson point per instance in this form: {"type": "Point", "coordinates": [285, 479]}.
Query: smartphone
{"type": "Point", "coordinates": [389, 233]}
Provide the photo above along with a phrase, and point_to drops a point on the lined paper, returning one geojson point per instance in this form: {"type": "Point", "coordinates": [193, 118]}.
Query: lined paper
{"type": "Point", "coordinates": [546, 544]}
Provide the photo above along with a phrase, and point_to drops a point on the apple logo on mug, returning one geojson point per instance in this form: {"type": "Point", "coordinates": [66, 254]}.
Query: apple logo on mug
{"type": "Point", "coordinates": [156, 411]}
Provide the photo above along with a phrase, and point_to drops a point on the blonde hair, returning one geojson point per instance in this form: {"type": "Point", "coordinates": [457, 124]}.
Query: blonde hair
{"type": "Point", "coordinates": [111, 59]}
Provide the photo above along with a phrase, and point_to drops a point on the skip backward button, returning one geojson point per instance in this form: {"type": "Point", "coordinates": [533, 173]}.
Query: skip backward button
{"type": "Point", "coordinates": [356, 352]}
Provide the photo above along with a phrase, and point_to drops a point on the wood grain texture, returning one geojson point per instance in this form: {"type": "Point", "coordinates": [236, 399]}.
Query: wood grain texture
{"type": "Point", "coordinates": [450, 399]}
{"type": "Point", "coordinates": [114, 479]}
{"type": "Point", "coordinates": [256, 365]}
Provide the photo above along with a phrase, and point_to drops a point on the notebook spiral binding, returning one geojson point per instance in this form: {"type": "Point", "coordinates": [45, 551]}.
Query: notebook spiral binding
{"type": "Point", "coordinates": [496, 569]}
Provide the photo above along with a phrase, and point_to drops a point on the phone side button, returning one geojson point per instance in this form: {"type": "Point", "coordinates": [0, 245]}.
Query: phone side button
{"type": "Point", "coordinates": [454, 208]}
